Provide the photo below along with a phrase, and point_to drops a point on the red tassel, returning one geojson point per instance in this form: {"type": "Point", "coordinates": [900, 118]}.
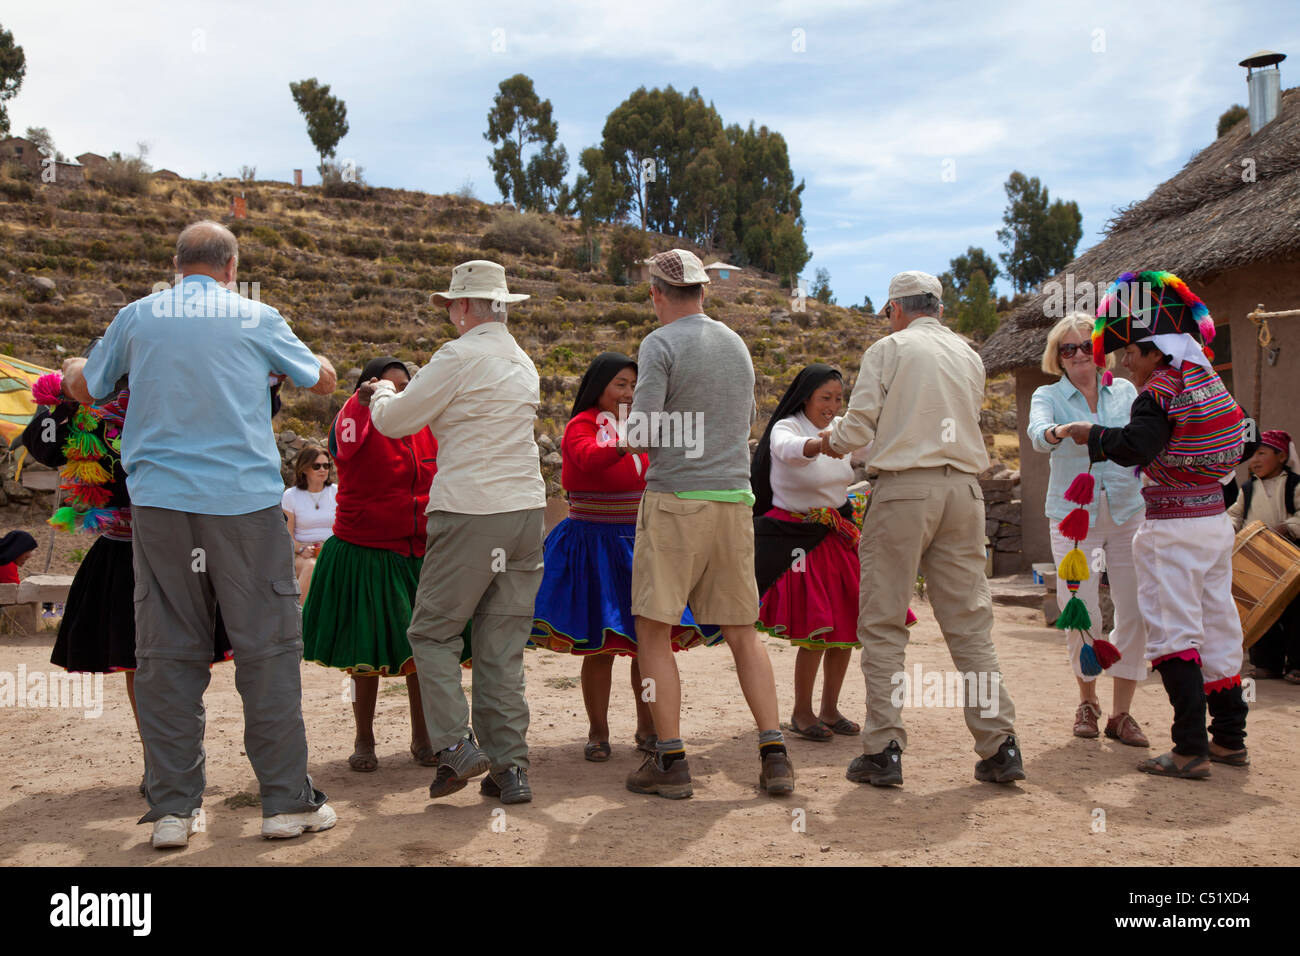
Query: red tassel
{"type": "Point", "coordinates": [1107, 378]}
{"type": "Point", "coordinates": [1081, 489]}
{"type": "Point", "coordinates": [1107, 653]}
{"type": "Point", "coordinates": [1075, 525]}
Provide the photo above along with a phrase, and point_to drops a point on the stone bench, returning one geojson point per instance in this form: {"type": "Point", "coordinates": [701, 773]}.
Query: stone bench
{"type": "Point", "coordinates": [20, 604]}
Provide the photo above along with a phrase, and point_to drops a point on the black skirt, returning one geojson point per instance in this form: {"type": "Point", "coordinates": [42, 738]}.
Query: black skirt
{"type": "Point", "coordinates": [97, 634]}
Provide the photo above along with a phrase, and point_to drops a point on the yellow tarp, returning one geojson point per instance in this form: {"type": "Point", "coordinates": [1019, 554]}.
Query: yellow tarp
{"type": "Point", "coordinates": [16, 405]}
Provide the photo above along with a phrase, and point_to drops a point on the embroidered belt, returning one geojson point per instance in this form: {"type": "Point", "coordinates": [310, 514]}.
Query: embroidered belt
{"type": "Point", "coordinates": [1197, 501]}
{"type": "Point", "coordinates": [604, 508]}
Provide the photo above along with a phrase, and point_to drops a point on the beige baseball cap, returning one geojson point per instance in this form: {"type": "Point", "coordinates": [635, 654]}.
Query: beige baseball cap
{"type": "Point", "coordinates": [914, 283]}
{"type": "Point", "coordinates": [478, 279]}
{"type": "Point", "coordinates": [679, 267]}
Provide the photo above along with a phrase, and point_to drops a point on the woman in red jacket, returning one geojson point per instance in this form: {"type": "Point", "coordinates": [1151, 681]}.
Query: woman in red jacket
{"type": "Point", "coordinates": [364, 584]}
{"type": "Point", "coordinates": [584, 604]}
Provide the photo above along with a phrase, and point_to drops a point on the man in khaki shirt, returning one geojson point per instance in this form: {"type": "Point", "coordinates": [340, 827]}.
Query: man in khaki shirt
{"type": "Point", "coordinates": [918, 396]}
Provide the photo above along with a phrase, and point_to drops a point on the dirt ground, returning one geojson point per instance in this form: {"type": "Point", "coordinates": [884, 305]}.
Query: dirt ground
{"type": "Point", "coordinates": [68, 787]}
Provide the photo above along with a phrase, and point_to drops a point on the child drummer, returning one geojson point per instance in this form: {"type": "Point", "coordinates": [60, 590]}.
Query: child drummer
{"type": "Point", "coordinates": [1186, 434]}
{"type": "Point", "coordinates": [1272, 495]}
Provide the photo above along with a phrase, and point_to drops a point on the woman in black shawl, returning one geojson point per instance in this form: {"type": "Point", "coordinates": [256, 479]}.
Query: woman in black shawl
{"type": "Point", "coordinates": [806, 530]}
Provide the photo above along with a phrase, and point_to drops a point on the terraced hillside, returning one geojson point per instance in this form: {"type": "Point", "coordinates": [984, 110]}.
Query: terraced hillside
{"type": "Point", "coordinates": [353, 277]}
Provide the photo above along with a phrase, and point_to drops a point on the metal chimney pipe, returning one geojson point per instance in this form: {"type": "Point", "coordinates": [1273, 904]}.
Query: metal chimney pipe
{"type": "Point", "coordinates": [1264, 83]}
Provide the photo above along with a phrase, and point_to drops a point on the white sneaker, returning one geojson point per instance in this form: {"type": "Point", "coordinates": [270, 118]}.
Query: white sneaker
{"type": "Point", "coordinates": [173, 831]}
{"type": "Point", "coordinates": [284, 826]}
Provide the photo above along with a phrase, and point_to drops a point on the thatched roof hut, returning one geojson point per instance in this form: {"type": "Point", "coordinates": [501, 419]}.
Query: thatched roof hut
{"type": "Point", "coordinates": [1217, 214]}
{"type": "Point", "coordinates": [1229, 224]}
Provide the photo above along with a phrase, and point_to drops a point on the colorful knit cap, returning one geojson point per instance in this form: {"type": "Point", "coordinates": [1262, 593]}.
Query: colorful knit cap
{"type": "Point", "coordinates": [1278, 439]}
{"type": "Point", "coordinates": [1142, 304]}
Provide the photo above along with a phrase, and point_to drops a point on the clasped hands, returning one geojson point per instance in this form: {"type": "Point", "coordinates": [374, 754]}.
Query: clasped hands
{"type": "Point", "coordinates": [821, 445]}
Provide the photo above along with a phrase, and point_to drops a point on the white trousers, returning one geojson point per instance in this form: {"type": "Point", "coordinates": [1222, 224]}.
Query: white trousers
{"type": "Point", "coordinates": [1114, 543]}
{"type": "Point", "coordinates": [1184, 570]}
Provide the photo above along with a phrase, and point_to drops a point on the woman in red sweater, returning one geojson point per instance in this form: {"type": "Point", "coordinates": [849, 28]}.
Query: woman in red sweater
{"type": "Point", "coordinates": [363, 588]}
{"type": "Point", "coordinates": [584, 604]}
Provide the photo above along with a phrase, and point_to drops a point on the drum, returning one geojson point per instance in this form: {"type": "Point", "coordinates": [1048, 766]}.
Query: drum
{"type": "Point", "coordinates": [1265, 578]}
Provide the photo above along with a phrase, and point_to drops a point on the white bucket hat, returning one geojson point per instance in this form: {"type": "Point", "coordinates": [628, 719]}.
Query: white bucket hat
{"type": "Point", "coordinates": [478, 279]}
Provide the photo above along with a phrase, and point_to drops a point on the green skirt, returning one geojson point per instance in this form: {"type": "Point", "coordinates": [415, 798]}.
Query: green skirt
{"type": "Point", "coordinates": [359, 608]}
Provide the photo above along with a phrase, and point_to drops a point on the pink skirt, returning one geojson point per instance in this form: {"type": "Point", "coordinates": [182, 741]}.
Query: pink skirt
{"type": "Point", "coordinates": [817, 606]}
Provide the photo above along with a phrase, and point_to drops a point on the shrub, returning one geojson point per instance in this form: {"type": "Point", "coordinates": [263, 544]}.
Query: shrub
{"type": "Point", "coordinates": [127, 175]}
{"type": "Point", "coordinates": [300, 238]}
{"type": "Point", "coordinates": [520, 234]}
{"type": "Point", "coordinates": [362, 247]}
{"type": "Point", "coordinates": [628, 245]}
{"type": "Point", "coordinates": [339, 182]}
{"type": "Point", "coordinates": [267, 236]}
{"type": "Point", "coordinates": [572, 291]}
{"type": "Point", "coordinates": [622, 313]}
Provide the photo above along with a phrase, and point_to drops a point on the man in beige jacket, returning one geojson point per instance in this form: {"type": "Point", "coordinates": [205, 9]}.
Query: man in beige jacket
{"type": "Point", "coordinates": [918, 396]}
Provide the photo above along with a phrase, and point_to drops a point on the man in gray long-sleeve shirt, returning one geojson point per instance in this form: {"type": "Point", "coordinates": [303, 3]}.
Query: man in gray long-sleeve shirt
{"type": "Point", "coordinates": [693, 408]}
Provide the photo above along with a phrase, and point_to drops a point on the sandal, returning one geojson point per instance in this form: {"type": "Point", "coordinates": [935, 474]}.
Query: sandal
{"type": "Point", "coordinates": [646, 745]}
{"type": "Point", "coordinates": [426, 756]}
{"type": "Point", "coordinates": [1164, 766]}
{"type": "Point", "coordinates": [596, 752]}
{"type": "Point", "coordinates": [818, 731]}
{"type": "Point", "coordinates": [1235, 758]}
{"type": "Point", "coordinates": [1292, 676]}
{"type": "Point", "coordinates": [845, 727]}
{"type": "Point", "coordinates": [364, 762]}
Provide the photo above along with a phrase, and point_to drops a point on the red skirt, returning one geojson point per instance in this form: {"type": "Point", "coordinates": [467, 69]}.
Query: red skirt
{"type": "Point", "coordinates": [815, 603]}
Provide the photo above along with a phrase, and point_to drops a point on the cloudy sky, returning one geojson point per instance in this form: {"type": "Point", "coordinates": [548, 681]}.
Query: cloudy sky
{"type": "Point", "coordinates": [904, 118]}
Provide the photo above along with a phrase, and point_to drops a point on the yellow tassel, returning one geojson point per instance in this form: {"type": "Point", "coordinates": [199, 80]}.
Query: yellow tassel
{"type": "Point", "coordinates": [91, 472]}
{"type": "Point", "coordinates": [1074, 566]}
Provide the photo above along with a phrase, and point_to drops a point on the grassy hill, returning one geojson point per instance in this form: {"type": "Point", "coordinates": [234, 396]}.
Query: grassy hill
{"type": "Point", "coordinates": [353, 276]}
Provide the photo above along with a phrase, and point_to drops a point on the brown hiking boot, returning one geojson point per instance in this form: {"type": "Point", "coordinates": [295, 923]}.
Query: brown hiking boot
{"type": "Point", "coordinates": [1125, 729]}
{"type": "Point", "coordinates": [777, 774]}
{"type": "Point", "coordinates": [1085, 719]}
{"type": "Point", "coordinates": [673, 783]}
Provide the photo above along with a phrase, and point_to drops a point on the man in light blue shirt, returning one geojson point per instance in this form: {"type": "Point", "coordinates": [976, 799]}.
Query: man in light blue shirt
{"type": "Point", "coordinates": [204, 476]}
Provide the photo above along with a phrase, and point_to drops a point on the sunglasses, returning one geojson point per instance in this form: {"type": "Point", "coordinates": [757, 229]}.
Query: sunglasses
{"type": "Point", "coordinates": [321, 466]}
{"type": "Point", "coordinates": [1067, 351]}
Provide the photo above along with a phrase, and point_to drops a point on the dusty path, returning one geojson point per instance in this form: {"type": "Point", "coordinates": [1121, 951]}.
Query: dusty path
{"type": "Point", "coordinates": [68, 784]}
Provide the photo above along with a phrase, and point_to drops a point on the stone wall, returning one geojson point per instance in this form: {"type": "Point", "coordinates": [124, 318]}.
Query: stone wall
{"type": "Point", "coordinates": [1002, 517]}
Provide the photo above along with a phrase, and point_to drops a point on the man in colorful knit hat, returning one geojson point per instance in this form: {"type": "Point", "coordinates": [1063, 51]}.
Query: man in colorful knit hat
{"type": "Point", "coordinates": [1272, 495]}
{"type": "Point", "coordinates": [1186, 434]}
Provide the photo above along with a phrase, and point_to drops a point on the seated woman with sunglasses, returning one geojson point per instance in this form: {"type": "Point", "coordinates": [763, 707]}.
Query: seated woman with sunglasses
{"type": "Point", "coordinates": [308, 504]}
{"type": "Point", "coordinates": [1085, 394]}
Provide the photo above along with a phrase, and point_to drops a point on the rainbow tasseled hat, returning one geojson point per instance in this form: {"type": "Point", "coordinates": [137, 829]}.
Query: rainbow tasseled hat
{"type": "Point", "coordinates": [1139, 304]}
{"type": "Point", "coordinates": [1096, 654]}
{"type": "Point", "coordinates": [84, 472]}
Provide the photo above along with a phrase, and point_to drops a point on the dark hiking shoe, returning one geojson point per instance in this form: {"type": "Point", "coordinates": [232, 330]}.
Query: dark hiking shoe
{"type": "Point", "coordinates": [777, 774]}
{"type": "Point", "coordinates": [457, 765]}
{"type": "Point", "coordinates": [508, 786]}
{"type": "Point", "coordinates": [1005, 766]}
{"type": "Point", "coordinates": [884, 769]}
{"type": "Point", "coordinates": [673, 783]}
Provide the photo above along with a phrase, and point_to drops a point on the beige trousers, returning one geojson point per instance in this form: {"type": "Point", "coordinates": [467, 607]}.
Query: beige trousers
{"type": "Point", "coordinates": [931, 520]}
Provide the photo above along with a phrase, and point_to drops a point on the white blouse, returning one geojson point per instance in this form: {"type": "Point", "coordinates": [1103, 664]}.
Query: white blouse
{"type": "Point", "coordinates": [311, 524]}
{"type": "Point", "coordinates": [800, 483]}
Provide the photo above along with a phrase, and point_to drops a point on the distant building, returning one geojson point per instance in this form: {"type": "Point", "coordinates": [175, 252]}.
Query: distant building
{"type": "Point", "coordinates": [27, 154]}
{"type": "Point", "coordinates": [22, 151]}
{"type": "Point", "coordinates": [92, 161]}
{"type": "Point", "coordinates": [639, 271]}
{"type": "Point", "coordinates": [721, 271]}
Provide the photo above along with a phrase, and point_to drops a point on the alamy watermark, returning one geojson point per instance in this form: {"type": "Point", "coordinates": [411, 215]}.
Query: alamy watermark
{"type": "Point", "coordinates": [39, 689]}
{"type": "Point", "coordinates": [209, 300]}
{"type": "Point", "coordinates": [654, 430]}
{"type": "Point", "coordinates": [947, 689]}
{"type": "Point", "coordinates": [1128, 298]}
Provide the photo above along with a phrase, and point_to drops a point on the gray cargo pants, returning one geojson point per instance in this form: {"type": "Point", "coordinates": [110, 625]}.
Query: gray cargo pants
{"type": "Point", "coordinates": [486, 568]}
{"type": "Point", "coordinates": [185, 564]}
